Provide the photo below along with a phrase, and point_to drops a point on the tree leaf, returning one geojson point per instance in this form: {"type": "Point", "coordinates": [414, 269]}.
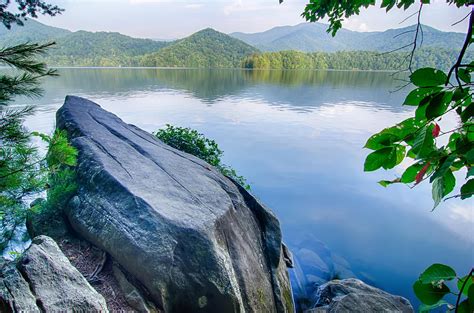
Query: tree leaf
{"type": "Point", "coordinates": [437, 190]}
{"type": "Point", "coordinates": [469, 283]}
{"type": "Point", "coordinates": [465, 307]}
{"type": "Point", "coordinates": [467, 190]}
{"type": "Point", "coordinates": [386, 183]}
{"type": "Point", "coordinates": [395, 157]}
{"type": "Point", "coordinates": [427, 308]}
{"type": "Point", "coordinates": [443, 168]}
{"type": "Point", "coordinates": [470, 172]}
{"type": "Point", "coordinates": [424, 141]}
{"type": "Point", "coordinates": [428, 77]}
{"type": "Point", "coordinates": [465, 75]}
{"type": "Point", "coordinates": [417, 95]}
{"type": "Point", "coordinates": [449, 182]}
{"type": "Point", "coordinates": [460, 94]}
{"type": "Point", "coordinates": [470, 294]}
{"type": "Point", "coordinates": [391, 135]}
{"type": "Point", "coordinates": [429, 294]}
{"type": "Point", "coordinates": [452, 141]}
{"type": "Point", "coordinates": [381, 140]}
{"type": "Point", "coordinates": [469, 155]}
{"type": "Point", "coordinates": [410, 173]}
{"type": "Point", "coordinates": [437, 272]}
{"type": "Point", "coordinates": [438, 105]}
{"type": "Point", "coordinates": [376, 159]}
{"type": "Point", "coordinates": [467, 113]}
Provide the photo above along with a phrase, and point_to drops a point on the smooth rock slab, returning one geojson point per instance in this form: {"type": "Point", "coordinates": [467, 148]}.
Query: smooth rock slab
{"type": "Point", "coordinates": [194, 239]}
{"type": "Point", "coordinates": [353, 295]}
{"type": "Point", "coordinates": [44, 280]}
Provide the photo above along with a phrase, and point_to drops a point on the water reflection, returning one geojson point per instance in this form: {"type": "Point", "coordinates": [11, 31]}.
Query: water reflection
{"type": "Point", "coordinates": [302, 89]}
{"type": "Point", "coordinates": [297, 137]}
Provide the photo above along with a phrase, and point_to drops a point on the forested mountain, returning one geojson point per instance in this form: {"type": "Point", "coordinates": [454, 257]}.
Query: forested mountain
{"type": "Point", "coordinates": [100, 49]}
{"type": "Point", "coordinates": [209, 48]}
{"type": "Point", "coordinates": [81, 48]}
{"type": "Point", "coordinates": [311, 37]}
{"type": "Point", "coordinates": [351, 60]}
{"type": "Point", "coordinates": [32, 31]}
{"type": "Point", "coordinates": [206, 48]}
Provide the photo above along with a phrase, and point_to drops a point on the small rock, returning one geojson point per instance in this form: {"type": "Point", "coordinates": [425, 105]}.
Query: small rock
{"type": "Point", "coordinates": [54, 282]}
{"type": "Point", "coordinates": [353, 295]}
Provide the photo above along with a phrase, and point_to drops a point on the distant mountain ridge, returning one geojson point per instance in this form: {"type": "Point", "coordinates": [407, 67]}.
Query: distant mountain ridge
{"type": "Point", "coordinates": [209, 48]}
{"type": "Point", "coordinates": [311, 37]}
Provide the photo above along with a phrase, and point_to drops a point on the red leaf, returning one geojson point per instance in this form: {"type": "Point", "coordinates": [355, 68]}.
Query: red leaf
{"type": "Point", "coordinates": [436, 130]}
{"type": "Point", "coordinates": [421, 173]}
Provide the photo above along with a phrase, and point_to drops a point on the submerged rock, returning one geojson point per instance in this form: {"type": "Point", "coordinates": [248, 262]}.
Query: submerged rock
{"type": "Point", "coordinates": [194, 239]}
{"type": "Point", "coordinates": [314, 265]}
{"type": "Point", "coordinates": [43, 280]}
{"type": "Point", "coordinates": [353, 295]}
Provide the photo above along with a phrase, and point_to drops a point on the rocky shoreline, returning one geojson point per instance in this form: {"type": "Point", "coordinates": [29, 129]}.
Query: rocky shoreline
{"type": "Point", "coordinates": [153, 229]}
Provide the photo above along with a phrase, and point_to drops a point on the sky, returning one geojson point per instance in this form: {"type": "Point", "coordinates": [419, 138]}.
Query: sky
{"type": "Point", "coordinates": [172, 19]}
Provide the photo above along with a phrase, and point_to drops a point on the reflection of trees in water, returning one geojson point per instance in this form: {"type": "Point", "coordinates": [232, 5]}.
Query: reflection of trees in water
{"type": "Point", "coordinates": [304, 90]}
{"type": "Point", "coordinates": [291, 88]}
{"type": "Point", "coordinates": [334, 78]}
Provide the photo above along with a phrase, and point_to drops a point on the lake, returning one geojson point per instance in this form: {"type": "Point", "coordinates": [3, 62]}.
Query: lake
{"type": "Point", "coordinates": [298, 137]}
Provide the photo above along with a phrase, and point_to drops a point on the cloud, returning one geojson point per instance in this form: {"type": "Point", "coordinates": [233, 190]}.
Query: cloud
{"type": "Point", "coordinates": [235, 6]}
{"type": "Point", "coordinates": [194, 6]}
{"type": "Point", "coordinates": [250, 6]}
{"type": "Point", "coordinates": [149, 1]}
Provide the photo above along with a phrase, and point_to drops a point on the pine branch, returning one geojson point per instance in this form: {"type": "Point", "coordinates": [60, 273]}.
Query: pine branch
{"type": "Point", "coordinates": [25, 85]}
{"type": "Point", "coordinates": [11, 129]}
{"type": "Point", "coordinates": [22, 57]}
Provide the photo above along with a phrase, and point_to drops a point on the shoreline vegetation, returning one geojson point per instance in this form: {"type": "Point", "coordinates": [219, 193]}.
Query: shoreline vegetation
{"type": "Point", "coordinates": [283, 60]}
{"type": "Point", "coordinates": [217, 69]}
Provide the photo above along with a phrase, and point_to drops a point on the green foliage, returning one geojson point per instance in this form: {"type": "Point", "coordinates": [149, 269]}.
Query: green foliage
{"type": "Point", "coordinates": [21, 170]}
{"type": "Point", "coordinates": [431, 289]}
{"type": "Point", "coordinates": [191, 141]}
{"type": "Point", "coordinates": [350, 60]}
{"type": "Point", "coordinates": [61, 159]}
{"type": "Point", "coordinates": [100, 49]}
{"type": "Point", "coordinates": [19, 176]}
{"type": "Point", "coordinates": [417, 138]}
{"type": "Point", "coordinates": [20, 164]}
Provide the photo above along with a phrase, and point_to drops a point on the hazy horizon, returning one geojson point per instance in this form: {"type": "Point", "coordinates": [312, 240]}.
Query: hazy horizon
{"type": "Point", "coordinates": [167, 20]}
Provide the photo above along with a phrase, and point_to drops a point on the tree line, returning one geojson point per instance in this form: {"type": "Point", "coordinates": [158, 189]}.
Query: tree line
{"type": "Point", "coordinates": [350, 60]}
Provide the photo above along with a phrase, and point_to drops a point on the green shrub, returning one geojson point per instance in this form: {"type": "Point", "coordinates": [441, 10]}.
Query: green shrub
{"type": "Point", "coordinates": [61, 178]}
{"type": "Point", "coordinates": [191, 141]}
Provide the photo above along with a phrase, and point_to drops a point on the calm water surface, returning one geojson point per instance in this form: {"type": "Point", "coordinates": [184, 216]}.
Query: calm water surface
{"type": "Point", "coordinates": [297, 137]}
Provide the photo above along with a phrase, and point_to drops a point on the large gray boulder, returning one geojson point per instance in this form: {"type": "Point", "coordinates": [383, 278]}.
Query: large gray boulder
{"type": "Point", "coordinates": [43, 280]}
{"type": "Point", "coordinates": [353, 295]}
{"type": "Point", "coordinates": [194, 239]}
